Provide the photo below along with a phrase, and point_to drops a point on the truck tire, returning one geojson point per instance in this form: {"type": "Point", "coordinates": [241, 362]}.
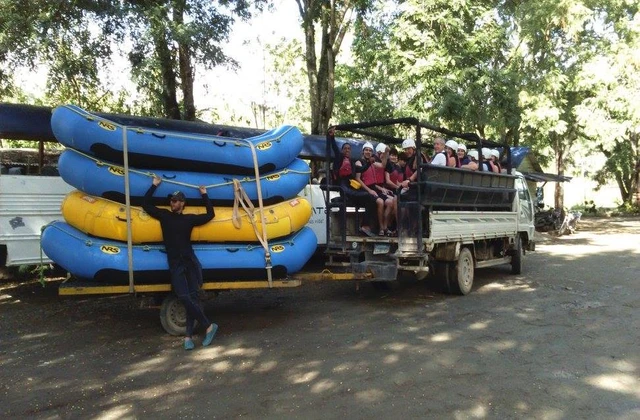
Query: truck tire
{"type": "Point", "coordinates": [173, 316]}
{"type": "Point", "coordinates": [516, 257]}
{"type": "Point", "coordinates": [461, 273]}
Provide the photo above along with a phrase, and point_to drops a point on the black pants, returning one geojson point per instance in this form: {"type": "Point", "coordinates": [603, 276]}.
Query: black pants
{"type": "Point", "coordinates": [186, 279]}
{"type": "Point", "coordinates": [362, 198]}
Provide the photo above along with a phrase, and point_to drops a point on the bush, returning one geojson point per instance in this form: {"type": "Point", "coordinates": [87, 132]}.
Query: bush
{"type": "Point", "coordinates": [627, 209]}
{"type": "Point", "coordinates": [589, 209]}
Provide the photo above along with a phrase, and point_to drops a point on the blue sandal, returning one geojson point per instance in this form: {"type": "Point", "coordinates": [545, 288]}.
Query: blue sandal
{"type": "Point", "coordinates": [208, 338]}
{"type": "Point", "coordinates": [188, 344]}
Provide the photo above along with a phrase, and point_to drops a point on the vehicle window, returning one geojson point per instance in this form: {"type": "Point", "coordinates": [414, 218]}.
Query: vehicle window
{"type": "Point", "coordinates": [523, 192]}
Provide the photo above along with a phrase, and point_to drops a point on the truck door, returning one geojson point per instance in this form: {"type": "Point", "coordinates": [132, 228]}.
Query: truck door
{"type": "Point", "coordinates": [525, 216]}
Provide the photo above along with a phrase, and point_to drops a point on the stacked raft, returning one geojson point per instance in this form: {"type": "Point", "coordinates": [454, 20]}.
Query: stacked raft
{"type": "Point", "coordinates": [91, 242]}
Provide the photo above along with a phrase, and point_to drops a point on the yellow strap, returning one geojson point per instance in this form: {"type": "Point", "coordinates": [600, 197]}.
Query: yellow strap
{"type": "Point", "coordinates": [240, 198]}
{"type": "Point", "coordinates": [263, 241]}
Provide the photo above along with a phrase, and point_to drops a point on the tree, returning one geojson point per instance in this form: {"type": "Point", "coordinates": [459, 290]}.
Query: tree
{"type": "Point", "coordinates": [458, 66]}
{"type": "Point", "coordinates": [332, 19]}
{"type": "Point", "coordinates": [60, 35]}
{"type": "Point", "coordinates": [611, 115]}
{"type": "Point", "coordinates": [168, 38]}
{"type": "Point", "coordinates": [559, 37]}
{"type": "Point", "coordinates": [365, 89]}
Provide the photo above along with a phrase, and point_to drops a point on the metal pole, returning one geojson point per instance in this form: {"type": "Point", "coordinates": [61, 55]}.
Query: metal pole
{"type": "Point", "coordinates": [127, 201]}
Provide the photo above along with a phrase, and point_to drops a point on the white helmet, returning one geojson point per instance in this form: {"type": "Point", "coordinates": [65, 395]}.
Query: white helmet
{"type": "Point", "coordinates": [486, 153]}
{"type": "Point", "coordinates": [495, 153]}
{"type": "Point", "coordinates": [381, 147]}
{"type": "Point", "coordinates": [462, 147]}
{"type": "Point", "coordinates": [367, 145]}
{"type": "Point", "coordinates": [473, 154]}
{"type": "Point", "coordinates": [408, 143]}
{"type": "Point", "coordinates": [451, 144]}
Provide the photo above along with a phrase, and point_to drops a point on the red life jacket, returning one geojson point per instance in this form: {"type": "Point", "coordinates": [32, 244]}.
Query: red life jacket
{"type": "Point", "coordinates": [369, 177]}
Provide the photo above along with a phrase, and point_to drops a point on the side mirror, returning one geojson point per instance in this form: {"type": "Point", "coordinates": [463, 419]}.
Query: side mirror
{"type": "Point", "coordinates": [540, 197]}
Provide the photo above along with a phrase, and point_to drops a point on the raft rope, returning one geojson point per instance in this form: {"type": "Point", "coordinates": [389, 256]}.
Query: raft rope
{"type": "Point", "coordinates": [184, 184]}
{"type": "Point", "coordinates": [240, 198]}
{"type": "Point", "coordinates": [199, 137]}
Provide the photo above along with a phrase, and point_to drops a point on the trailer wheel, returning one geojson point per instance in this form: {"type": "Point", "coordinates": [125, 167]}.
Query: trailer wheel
{"type": "Point", "coordinates": [173, 315]}
{"type": "Point", "coordinates": [516, 258]}
{"type": "Point", "coordinates": [461, 273]}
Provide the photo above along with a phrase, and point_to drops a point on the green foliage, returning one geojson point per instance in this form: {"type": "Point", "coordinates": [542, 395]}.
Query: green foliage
{"type": "Point", "coordinates": [455, 66]}
{"type": "Point", "coordinates": [365, 90]}
{"type": "Point", "coordinates": [285, 79]}
{"type": "Point", "coordinates": [76, 39]}
{"type": "Point", "coordinates": [330, 20]}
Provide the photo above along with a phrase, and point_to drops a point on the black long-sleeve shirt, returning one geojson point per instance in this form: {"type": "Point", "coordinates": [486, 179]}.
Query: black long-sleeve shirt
{"type": "Point", "coordinates": [176, 228]}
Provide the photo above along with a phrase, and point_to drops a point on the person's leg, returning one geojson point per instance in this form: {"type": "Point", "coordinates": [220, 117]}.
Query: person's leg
{"type": "Point", "coordinates": [365, 200]}
{"type": "Point", "coordinates": [180, 281]}
{"type": "Point", "coordinates": [380, 212]}
{"type": "Point", "coordinates": [195, 282]}
{"type": "Point", "coordinates": [389, 215]}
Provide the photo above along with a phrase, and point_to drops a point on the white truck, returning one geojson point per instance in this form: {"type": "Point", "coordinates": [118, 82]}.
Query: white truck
{"type": "Point", "coordinates": [27, 203]}
{"type": "Point", "coordinates": [455, 220]}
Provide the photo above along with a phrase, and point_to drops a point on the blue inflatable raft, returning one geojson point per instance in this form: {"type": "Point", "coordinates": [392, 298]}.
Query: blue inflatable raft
{"type": "Point", "coordinates": [106, 180]}
{"type": "Point", "coordinates": [106, 261]}
{"type": "Point", "coordinates": [151, 148]}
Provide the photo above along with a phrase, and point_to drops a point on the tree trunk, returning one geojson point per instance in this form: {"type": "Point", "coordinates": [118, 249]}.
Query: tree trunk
{"type": "Point", "coordinates": [560, 166]}
{"type": "Point", "coordinates": [635, 179]}
{"type": "Point", "coordinates": [169, 98]}
{"type": "Point", "coordinates": [187, 73]}
{"type": "Point", "coordinates": [321, 74]}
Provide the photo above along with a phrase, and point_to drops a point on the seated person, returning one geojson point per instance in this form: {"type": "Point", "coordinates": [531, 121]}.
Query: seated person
{"type": "Point", "coordinates": [410, 173]}
{"type": "Point", "coordinates": [451, 151]}
{"type": "Point", "coordinates": [472, 163]}
{"type": "Point", "coordinates": [462, 154]}
{"type": "Point", "coordinates": [344, 170]}
{"type": "Point", "coordinates": [487, 166]}
{"type": "Point", "coordinates": [394, 173]}
{"type": "Point", "coordinates": [495, 160]}
{"type": "Point", "coordinates": [367, 173]}
{"type": "Point", "coordinates": [439, 155]}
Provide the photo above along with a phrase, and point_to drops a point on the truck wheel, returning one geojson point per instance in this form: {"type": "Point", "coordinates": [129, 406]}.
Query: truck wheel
{"type": "Point", "coordinates": [173, 316]}
{"type": "Point", "coordinates": [516, 258]}
{"type": "Point", "coordinates": [461, 274]}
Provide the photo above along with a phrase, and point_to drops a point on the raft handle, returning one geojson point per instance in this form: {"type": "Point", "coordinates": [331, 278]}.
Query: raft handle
{"type": "Point", "coordinates": [160, 136]}
{"type": "Point", "coordinates": [221, 144]}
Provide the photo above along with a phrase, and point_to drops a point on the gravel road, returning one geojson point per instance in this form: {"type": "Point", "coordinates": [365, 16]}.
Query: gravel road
{"type": "Point", "coordinates": [560, 341]}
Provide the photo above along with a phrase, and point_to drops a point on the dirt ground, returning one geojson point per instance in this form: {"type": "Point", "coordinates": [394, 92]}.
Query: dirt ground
{"type": "Point", "coordinates": [561, 341]}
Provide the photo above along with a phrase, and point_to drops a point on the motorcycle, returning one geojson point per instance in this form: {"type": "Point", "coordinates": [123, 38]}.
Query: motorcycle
{"type": "Point", "coordinates": [556, 221]}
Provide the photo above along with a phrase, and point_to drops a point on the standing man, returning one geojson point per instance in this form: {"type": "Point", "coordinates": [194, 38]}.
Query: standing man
{"type": "Point", "coordinates": [184, 267]}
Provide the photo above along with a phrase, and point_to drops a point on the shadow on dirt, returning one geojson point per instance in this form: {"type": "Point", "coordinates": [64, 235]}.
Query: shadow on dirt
{"type": "Point", "coordinates": [548, 343]}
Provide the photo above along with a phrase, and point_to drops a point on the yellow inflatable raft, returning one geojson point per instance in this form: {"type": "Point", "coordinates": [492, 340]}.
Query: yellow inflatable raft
{"type": "Point", "coordinates": [108, 219]}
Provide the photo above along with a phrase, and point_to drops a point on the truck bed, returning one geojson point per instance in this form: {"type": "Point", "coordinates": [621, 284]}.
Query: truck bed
{"type": "Point", "coordinates": [467, 226]}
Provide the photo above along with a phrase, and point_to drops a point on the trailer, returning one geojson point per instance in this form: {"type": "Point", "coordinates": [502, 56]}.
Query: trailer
{"type": "Point", "coordinates": [456, 220]}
